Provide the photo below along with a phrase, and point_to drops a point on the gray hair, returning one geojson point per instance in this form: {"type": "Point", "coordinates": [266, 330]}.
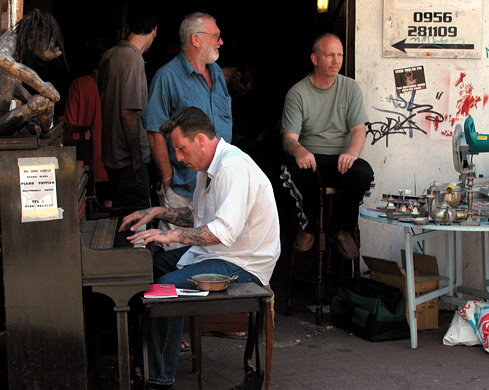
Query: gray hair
{"type": "Point", "coordinates": [192, 24]}
{"type": "Point", "coordinates": [317, 42]}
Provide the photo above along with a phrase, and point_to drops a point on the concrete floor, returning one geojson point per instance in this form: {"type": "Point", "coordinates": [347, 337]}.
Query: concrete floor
{"type": "Point", "coordinates": [307, 356]}
{"type": "Point", "coordinates": [313, 357]}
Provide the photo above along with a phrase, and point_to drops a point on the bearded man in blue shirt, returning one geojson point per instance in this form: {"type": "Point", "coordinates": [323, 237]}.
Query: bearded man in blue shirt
{"type": "Point", "coordinates": [192, 78]}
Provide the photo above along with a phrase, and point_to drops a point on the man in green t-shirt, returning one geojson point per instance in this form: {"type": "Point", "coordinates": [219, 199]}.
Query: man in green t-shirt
{"type": "Point", "coordinates": [323, 133]}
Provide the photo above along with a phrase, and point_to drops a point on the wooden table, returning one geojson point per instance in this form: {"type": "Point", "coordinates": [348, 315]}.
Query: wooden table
{"type": "Point", "coordinates": [237, 298]}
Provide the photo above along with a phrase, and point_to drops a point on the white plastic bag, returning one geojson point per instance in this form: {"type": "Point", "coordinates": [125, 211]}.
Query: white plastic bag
{"type": "Point", "coordinates": [476, 313]}
{"type": "Point", "coordinates": [460, 332]}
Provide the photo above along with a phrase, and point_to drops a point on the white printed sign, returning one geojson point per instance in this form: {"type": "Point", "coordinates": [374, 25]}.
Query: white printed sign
{"type": "Point", "coordinates": [434, 29]}
{"type": "Point", "coordinates": [38, 189]}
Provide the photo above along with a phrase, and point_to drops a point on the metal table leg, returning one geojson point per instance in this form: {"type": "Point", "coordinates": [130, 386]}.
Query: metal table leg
{"type": "Point", "coordinates": [413, 327]}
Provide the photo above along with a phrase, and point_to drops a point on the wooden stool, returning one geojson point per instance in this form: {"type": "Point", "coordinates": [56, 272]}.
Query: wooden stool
{"type": "Point", "coordinates": [196, 341]}
{"type": "Point", "coordinates": [324, 277]}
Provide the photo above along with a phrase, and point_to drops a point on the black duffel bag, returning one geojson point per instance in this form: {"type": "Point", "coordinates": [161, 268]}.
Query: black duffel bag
{"type": "Point", "coordinates": [370, 309]}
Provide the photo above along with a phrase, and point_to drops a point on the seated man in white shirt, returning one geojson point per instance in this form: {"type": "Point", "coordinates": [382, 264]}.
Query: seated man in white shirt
{"type": "Point", "coordinates": [230, 228]}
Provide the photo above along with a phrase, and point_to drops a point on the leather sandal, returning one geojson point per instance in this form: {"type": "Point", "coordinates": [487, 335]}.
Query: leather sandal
{"type": "Point", "coordinates": [303, 241]}
{"type": "Point", "coordinates": [346, 245]}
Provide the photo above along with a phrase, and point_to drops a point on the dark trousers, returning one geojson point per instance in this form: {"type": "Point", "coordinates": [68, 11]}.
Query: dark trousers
{"type": "Point", "coordinates": [304, 187]}
{"type": "Point", "coordinates": [129, 187]}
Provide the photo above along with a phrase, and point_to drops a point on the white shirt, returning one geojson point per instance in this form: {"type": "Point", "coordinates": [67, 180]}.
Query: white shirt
{"type": "Point", "coordinates": [239, 208]}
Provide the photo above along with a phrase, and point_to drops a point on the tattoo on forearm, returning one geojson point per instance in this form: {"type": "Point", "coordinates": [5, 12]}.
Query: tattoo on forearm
{"type": "Point", "coordinates": [199, 236]}
{"type": "Point", "coordinates": [180, 217]}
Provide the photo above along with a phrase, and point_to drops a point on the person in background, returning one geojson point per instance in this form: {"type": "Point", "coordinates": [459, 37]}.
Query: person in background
{"type": "Point", "coordinates": [192, 78]}
{"type": "Point", "coordinates": [230, 228]}
{"type": "Point", "coordinates": [242, 79]}
{"type": "Point", "coordinates": [83, 108]}
{"type": "Point", "coordinates": [246, 85]}
{"type": "Point", "coordinates": [323, 133]}
{"type": "Point", "coordinates": [123, 91]}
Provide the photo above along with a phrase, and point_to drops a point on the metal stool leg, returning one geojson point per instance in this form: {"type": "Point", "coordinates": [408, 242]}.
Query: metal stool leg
{"type": "Point", "coordinates": [321, 249]}
{"type": "Point", "coordinates": [321, 283]}
{"type": "Point", "coordinates": [329, 282]}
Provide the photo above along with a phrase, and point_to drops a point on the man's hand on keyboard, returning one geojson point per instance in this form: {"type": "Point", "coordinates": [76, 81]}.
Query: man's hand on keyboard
{"type": "Point", "coordinates": [137, 219]}
{"type": "Point", "coordinates": [152, 235]}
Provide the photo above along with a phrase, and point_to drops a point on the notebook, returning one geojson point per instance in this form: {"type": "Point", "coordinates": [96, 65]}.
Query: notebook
{"type": "Point", "coordinates": [157, 290]}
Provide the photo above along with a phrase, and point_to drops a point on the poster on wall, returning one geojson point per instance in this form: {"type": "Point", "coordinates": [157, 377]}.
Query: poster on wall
{"type": "Point", "coordinates": [434, 29]}
{"type": "Point", "coordinates": [410, 79]}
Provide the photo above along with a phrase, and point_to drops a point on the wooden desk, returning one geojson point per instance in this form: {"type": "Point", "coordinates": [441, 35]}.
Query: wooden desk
{"type": "Point", "coordinates": [237, 298]}
{"type": "Point", "coordinates": [453, 249]}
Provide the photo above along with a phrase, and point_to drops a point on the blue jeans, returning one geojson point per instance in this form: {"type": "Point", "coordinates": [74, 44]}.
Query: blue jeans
{"type": "Point", "coordinates": [165, 333]}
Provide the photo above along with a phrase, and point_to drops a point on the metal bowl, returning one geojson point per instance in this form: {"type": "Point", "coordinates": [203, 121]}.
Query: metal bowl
{"type": "Point", "coordinates": [453, 198]}
{"type": "Point", "coordinates": [211, 282]}
{"type": "Point", "coordinates": [461, 215]}
{"type": "Point", "coordinates": [420, 221]}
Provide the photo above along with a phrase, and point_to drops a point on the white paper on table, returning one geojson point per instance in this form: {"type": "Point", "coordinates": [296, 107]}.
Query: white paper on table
{"type": "Point", "coordinates": [185, 292]}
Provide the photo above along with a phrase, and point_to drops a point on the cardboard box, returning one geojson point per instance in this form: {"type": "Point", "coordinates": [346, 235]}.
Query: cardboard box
{"type": "Point", "coordinates": [390, 273]}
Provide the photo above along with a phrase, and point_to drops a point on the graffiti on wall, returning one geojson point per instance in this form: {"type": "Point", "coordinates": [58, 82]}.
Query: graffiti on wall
{"type": "Point", "coordinates": [404, 116]}
{"type": "Point", "coordinates": [401, 118]}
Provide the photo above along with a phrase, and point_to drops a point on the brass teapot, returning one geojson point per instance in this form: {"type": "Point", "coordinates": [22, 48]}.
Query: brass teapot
{"type": "Point", "coordinates": [443, 214]}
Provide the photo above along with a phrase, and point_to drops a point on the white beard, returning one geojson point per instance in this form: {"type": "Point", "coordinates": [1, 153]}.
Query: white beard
{"type": "Point", "coordinates": [209, 55]}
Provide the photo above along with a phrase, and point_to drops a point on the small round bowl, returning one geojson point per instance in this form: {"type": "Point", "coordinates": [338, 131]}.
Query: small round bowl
{"type": "Point", "coordinates": [420, 221]}
{"type": "Point", "coordinates": [405, 219]}
{"type": "Point", "coordinates": [461, 214]}
{"type": "Point", "coordinates": [211, 282]}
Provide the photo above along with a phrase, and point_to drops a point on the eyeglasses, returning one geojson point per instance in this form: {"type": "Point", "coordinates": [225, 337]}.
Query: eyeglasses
{"type": "Point", "coordinates": [216, 36]}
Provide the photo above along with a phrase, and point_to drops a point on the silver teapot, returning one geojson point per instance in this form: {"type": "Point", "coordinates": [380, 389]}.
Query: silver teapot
{"type": "Point", "coordinates": [443, 214]}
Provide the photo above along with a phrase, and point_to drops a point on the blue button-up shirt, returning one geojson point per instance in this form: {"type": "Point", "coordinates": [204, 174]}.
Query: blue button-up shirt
{"type": "Point", "coordinates": [177, 85]}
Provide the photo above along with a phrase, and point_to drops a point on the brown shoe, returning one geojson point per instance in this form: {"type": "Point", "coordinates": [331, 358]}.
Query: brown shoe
{"type": "Point", "coordinates": [346, 246]}
{"type": "Point", "coordinates": [303, 241]}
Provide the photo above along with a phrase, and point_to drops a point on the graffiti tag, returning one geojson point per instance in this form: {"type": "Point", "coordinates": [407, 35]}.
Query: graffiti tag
{"type": "Point", "coordinates": [402, 121]}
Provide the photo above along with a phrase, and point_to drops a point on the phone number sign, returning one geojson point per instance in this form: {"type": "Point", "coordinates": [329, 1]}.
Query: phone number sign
{"type": "Point", "coordinates": [437, 29]}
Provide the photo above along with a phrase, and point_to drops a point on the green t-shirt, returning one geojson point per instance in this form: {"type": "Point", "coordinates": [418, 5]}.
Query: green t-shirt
{"type": "Point", "coordinates": [323, 117]}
